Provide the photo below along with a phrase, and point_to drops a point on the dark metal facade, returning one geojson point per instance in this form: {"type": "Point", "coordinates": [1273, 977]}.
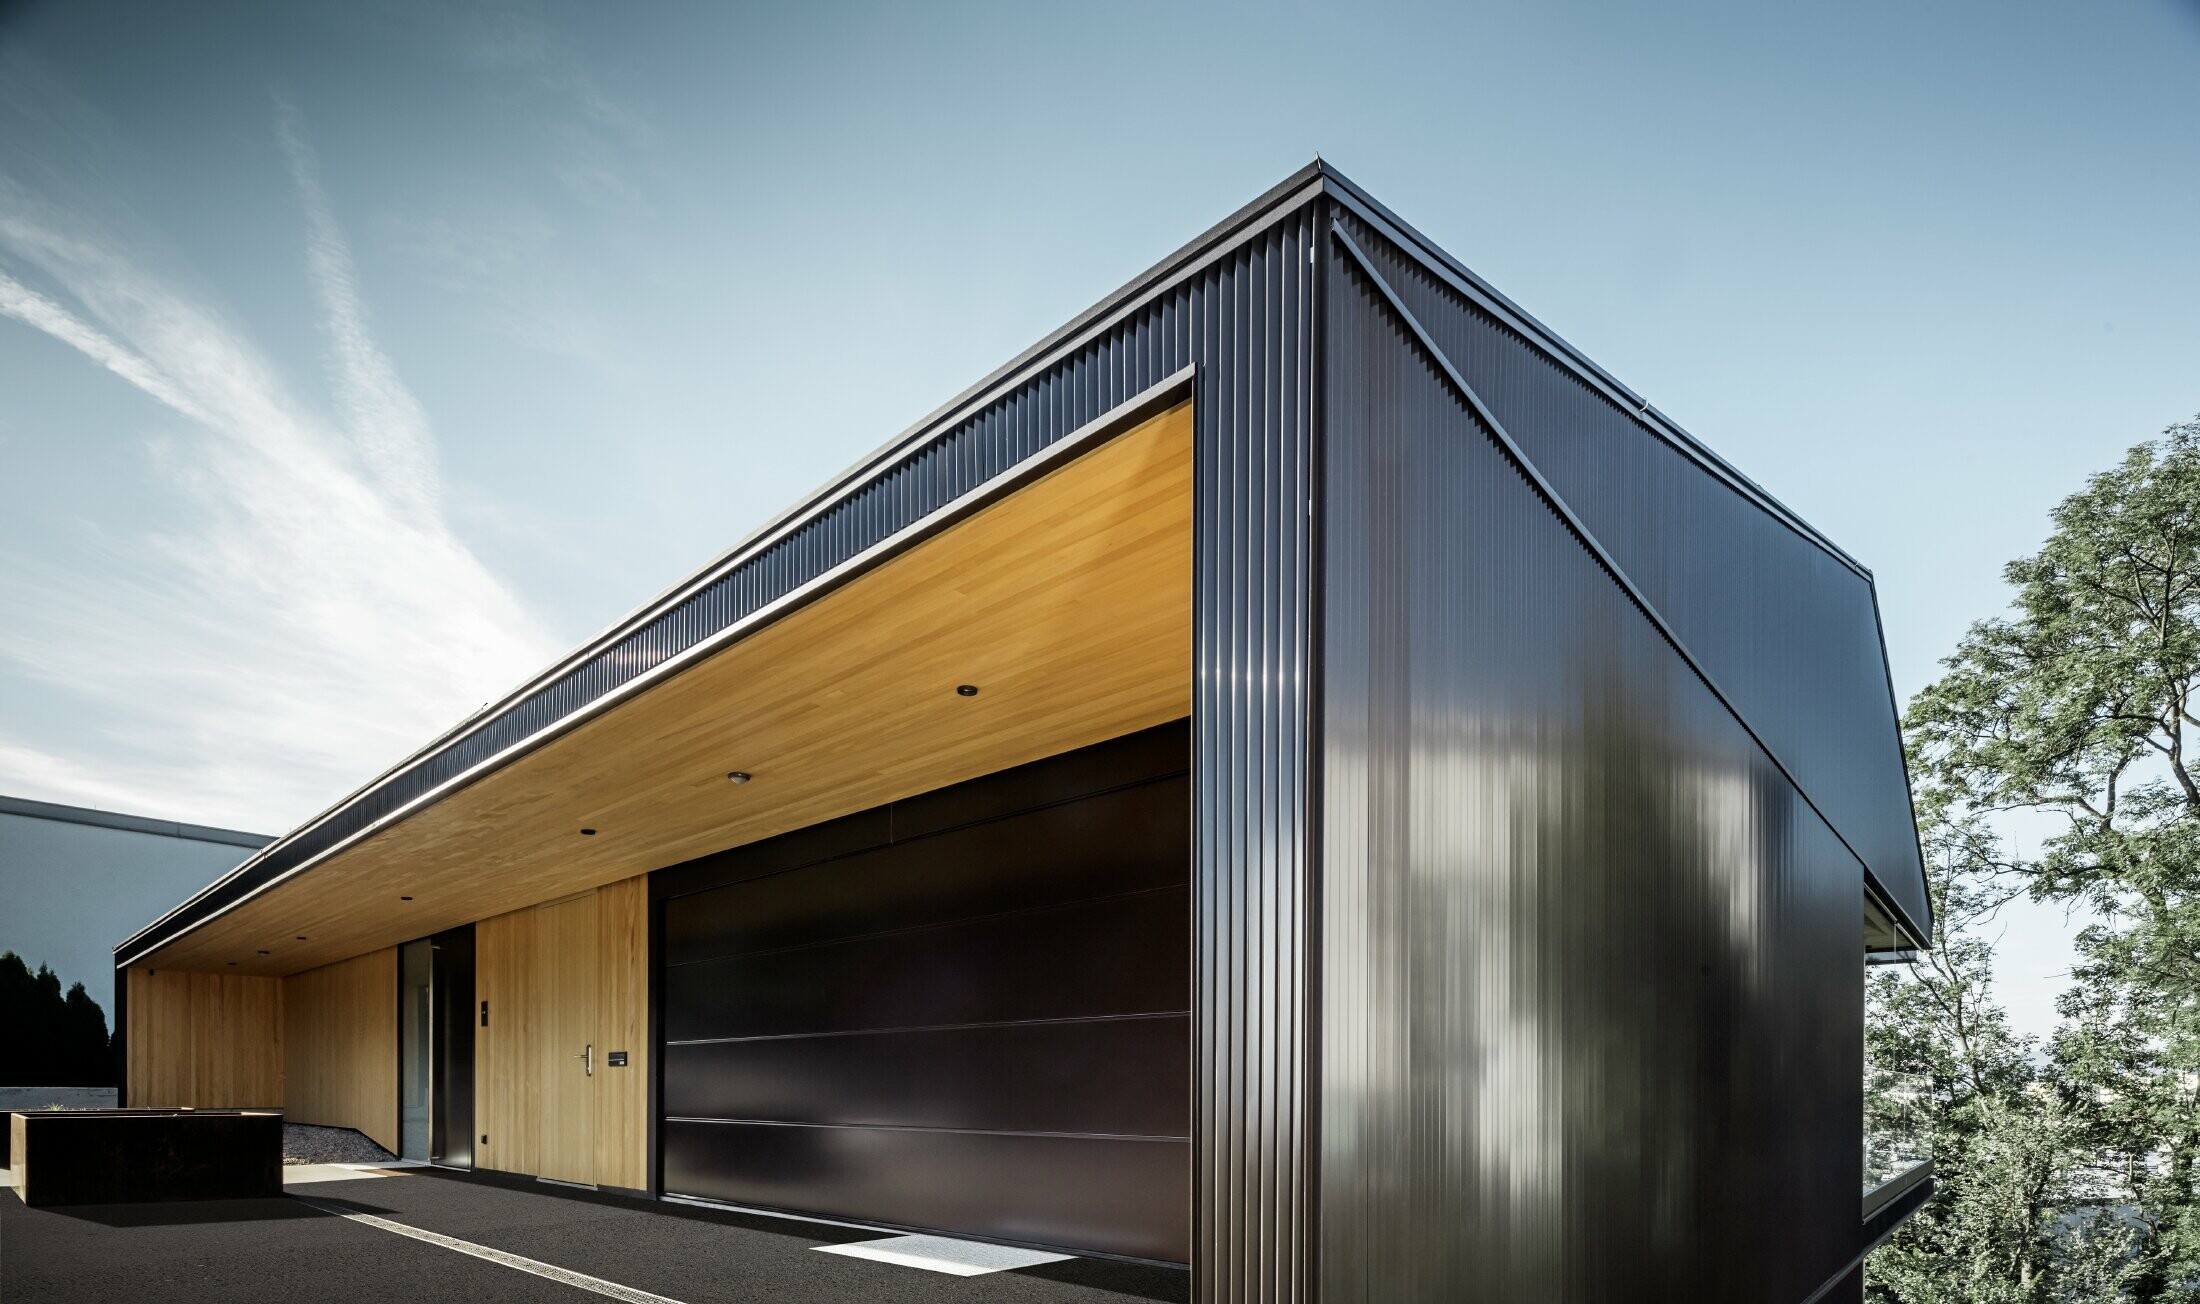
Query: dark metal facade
{"type": "Point", "coordinates": [1787, 628]}
{"type": "Point", "coordinates": [1591, 1018]}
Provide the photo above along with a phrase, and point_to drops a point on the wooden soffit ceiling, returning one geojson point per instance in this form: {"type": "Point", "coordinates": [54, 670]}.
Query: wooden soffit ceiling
{"type": "Point", "coordinates": [1067, 603]}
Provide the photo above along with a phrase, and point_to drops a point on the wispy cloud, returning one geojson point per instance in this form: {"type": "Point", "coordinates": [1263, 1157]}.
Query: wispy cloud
{"type": "Point", "coordinates": [313, 618]}
{"type": "Point", "coordinates": [381, 416]}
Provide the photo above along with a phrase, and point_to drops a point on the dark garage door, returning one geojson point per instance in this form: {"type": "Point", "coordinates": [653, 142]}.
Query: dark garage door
{"type": "Point", "coordinates": [966, 1011]}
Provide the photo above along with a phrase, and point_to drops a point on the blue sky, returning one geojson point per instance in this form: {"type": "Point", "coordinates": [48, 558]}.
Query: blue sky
{"type": "Point", "coordinates": [353, 364]}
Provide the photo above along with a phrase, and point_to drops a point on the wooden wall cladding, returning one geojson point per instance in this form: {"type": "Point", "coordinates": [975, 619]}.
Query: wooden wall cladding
{"type": "Point", "coordinates": [507, 1087]}
{"type": "Point", "coordinates": [622, 1018]}
{"type": "Point", "coordinates": [340, 1046]}
{"type": "Point", "coordinates": [517, 958]}
{"type": "Point", "coordinates": [204, 1040]}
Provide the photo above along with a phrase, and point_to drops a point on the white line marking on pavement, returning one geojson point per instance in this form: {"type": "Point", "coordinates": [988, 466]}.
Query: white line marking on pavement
{"type": "Point", "coordinates": [548, 1271]}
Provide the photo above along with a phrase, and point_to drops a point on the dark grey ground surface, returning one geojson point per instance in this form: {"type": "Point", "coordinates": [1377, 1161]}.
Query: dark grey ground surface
{"type": "Point", "coordinates": [280, 1250]}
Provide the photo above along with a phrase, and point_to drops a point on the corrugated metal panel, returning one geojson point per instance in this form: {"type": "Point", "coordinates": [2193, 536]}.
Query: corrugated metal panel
{"type": "Point", "coordinates": [1591, 1025]}
{"type": "Point", "coordinates": [1254, 483]}
{"type": "Point", "coordinates": [1788, 629]}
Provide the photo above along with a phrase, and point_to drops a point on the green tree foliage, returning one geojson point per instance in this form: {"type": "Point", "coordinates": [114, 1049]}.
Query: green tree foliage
{"type": "Point", "coordinates": [2024, 1213]}
{"type": "Point", "coordinates": [53, 1039]}
{"type": "Point", "coordinates": [2069, 1171]}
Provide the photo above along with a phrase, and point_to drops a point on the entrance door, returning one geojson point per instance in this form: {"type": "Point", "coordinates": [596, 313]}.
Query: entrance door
{"type": "Point", "coordinates": [566, 1023]}
{"type": "Point", "coordinates": [451, 1120]}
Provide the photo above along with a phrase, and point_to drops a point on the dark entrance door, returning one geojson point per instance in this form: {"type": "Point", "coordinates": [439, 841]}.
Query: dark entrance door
{"type": "Point", "coordinates": [452, 1119]}
{"type": "Point", "coordinates": [965, 1012]}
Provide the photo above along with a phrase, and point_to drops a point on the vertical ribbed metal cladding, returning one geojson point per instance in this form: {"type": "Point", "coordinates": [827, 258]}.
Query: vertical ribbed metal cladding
{"type": "Point", "coordinates": [1252, 324]}
{"type": "Point", "coordinates": [1789, 630]}
{"type": "Point", "coordinates": [1590, 1027]}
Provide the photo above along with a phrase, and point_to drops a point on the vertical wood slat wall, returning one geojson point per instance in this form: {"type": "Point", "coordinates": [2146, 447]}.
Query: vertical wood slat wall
{"type": "Point", "coordinates": [204, 1040]}
{"type": "Point", "coordinates": [622, 1020]}
{"type": "Point", "coordinates": [512, 966]}
{"type": "Point", "coordinates": [507, 1090]}
{"type": "Point", "coordinates": [340, 1046]}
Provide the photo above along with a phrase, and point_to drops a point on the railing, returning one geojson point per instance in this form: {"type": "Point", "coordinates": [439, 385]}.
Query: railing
{"type": "Point", "coordinates": [1897, 1129]}
{"type": "Point", "coordinates": [1880, 1197]}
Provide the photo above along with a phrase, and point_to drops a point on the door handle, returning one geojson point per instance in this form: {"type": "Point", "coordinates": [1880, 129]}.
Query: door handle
{"type": "Point", "coordinates": [587, 1057]}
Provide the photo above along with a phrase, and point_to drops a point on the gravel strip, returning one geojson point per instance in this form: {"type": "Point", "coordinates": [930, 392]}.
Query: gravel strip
{"type": "Point", "coordinates": [303, 1144]}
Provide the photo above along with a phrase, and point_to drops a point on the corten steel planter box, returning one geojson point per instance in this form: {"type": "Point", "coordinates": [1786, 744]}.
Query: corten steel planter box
{"type": "Point", "coordinates": [143, 1156]}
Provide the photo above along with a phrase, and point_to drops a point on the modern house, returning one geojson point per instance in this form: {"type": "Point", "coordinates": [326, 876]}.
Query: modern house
{"type": "Point", "coordinates": [1299, 774]}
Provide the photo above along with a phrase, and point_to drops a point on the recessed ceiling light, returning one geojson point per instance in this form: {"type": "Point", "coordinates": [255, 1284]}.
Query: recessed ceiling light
{"type": "Point", "coordinates": [588, 833]}
{"type": "Point", "coordinates": [739, 777]}
{"type": "Point", "coordinates": [966, 690]}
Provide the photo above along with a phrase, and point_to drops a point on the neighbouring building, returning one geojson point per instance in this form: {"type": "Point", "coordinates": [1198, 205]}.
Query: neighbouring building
{"type": "Point", "coordinates": [71, 878]}
{"type": "Point", "coordinates": [1299, 774]}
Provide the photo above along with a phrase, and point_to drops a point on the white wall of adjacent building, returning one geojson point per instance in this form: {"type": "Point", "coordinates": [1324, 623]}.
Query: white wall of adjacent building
{"type": "Point", "coordinates": [72, 884]}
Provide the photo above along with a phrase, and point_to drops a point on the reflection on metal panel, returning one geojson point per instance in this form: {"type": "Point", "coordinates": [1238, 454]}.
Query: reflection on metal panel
{"type": "Point", "coordinates": [1788, 631]}
{"type": "Point", "coordinates": [1589, 1009]}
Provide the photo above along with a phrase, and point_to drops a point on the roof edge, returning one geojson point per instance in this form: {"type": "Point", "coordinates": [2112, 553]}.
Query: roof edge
{"type": "Point", "coordinates": [1494, 301]}
{"type": "Point", "coordinates": [108, 819]}
{"type": "Point", "coordinates": [1316, 179]}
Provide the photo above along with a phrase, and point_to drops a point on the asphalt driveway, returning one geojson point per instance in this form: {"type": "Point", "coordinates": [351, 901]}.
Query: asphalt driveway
{"type": "Point", "coordinates": [431, 1235]}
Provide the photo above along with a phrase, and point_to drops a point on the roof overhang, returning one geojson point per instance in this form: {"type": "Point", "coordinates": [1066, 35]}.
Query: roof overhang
{"type": "Point", "coordinates": [1061, 592]}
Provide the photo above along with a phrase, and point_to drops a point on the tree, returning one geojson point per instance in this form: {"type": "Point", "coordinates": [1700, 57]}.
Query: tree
{"type": "Point", "coordinates": [52, 1039]}
{"type": "Point", "coordinates": [2017, 1218]}
{"type": "Point", "coordinates": [2080, 705]}
{"type": "Point", "coordinates": [81, 1045]}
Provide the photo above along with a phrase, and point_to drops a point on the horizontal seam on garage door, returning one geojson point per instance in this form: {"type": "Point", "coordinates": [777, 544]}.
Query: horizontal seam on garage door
{"type": "Point", "coordinates": [931, 1027]}
{"type": "Point", "coordinates": [913, 1127]}
{"type": "Point", "coordinates": [852, 938]}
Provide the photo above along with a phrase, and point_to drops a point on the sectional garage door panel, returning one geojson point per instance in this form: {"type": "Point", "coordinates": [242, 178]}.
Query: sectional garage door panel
{"type": "Point", "coordinates": [1089, 959]}
{"type": "Point", "coordinates": [966, 1012]}
{"type": "Point", "coordinates": [1121, 1076]}
{"type": "Point", "coordinates": [1126, 1197]}
{"type": "Point", "coordinates": [1105, 844]}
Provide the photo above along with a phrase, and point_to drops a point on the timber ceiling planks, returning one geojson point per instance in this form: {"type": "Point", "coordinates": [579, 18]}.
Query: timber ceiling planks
{"type": "Point", "coordinates": [1068, 603]}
